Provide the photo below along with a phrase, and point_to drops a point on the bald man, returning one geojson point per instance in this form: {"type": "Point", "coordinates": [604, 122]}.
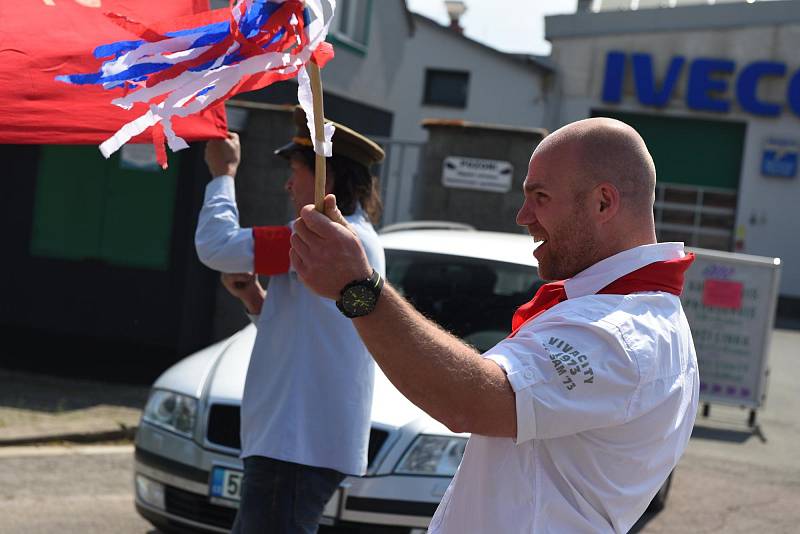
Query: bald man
{"type": "Point", "coordinates": [580, 415]}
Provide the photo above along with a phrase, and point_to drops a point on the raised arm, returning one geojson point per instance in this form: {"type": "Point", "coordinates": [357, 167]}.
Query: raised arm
{"type": "Point", "coordinates": [221, 243]}
{"type": "Point", "coordinates": [434, 369]}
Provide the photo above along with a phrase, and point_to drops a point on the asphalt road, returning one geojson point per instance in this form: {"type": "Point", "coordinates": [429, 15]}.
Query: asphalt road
{"type": "Point", "coordinates": [86, 490]}
{"type": "Point", "coordinates": [731, 480]}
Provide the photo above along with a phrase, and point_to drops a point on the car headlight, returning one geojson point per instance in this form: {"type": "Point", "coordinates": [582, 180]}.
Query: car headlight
{"type": "Point", "coordinates": [432, 455]}
{"type": "Point", "coordinates": [172, 411]}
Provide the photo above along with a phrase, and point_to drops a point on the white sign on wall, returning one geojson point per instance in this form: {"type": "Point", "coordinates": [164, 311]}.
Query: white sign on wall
{"type": "Point", "coordinates": [730, 302]}
{"type": "Point", "coordinates": [478, 174]}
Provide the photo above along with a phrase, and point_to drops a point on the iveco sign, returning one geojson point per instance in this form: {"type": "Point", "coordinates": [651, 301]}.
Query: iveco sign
{"type": "Point", "coordinates": [712, 84]}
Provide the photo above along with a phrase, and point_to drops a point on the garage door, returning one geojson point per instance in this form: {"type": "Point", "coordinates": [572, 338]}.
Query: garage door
{"type": "Point", "coordinates": [698, 164]}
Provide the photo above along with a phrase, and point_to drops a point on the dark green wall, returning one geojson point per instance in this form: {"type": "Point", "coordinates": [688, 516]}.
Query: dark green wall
{"type": "Point", "coordinates": [99, 276]}
{"type": "Point", "coordinates": [90, 208]}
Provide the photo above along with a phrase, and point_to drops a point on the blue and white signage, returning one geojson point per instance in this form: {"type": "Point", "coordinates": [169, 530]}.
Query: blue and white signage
{"type": "Point", "coordinates": [779, 158]}
{"type": "Point", "coordinates": [712, 84]}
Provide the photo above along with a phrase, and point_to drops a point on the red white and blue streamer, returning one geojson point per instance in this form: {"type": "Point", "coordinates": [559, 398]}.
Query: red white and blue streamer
{"type": "Point", "coordinates": [180, 73]}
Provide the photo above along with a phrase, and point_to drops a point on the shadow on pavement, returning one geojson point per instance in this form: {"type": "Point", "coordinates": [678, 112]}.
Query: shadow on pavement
{"type": "Point", "coordinates": [51, 394]}
{"type": "Point", "coordinates": [722, 434]}
{"type": "Point", "coordinates": [642, 522]}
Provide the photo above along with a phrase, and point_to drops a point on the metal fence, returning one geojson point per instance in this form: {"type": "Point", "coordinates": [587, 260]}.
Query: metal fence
{"type": "Point", "coordinates": [399, 174]}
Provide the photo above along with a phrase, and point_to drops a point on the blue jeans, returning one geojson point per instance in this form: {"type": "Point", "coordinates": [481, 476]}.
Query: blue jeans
{"type": "Point", "coordinates": [282, 497]}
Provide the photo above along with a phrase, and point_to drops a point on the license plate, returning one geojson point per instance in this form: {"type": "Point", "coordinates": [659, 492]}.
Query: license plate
{"type": "Point", "coordinates": [226, 483]}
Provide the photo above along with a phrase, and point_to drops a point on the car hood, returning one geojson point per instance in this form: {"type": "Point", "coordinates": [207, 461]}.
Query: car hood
{"type": "Point", "coordinates": [389, 406]}
{"type": "Point", "coordinates": [227, 384]}
{"type": "Point", "coordinates": [190, 375]}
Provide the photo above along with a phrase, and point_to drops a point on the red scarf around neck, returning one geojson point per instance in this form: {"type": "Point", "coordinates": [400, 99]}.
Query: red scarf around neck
{"type": "Point", "coordinates": [664, 276]}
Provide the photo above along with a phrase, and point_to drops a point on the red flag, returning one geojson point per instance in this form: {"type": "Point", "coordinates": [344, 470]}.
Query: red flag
{"type": "Point", "coordinates": [40, 39]}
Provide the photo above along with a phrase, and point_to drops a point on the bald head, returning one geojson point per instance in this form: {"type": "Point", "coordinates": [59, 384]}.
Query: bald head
{"type": "Point", "coordinates": [589, 194]}
{"type": "Point", "coordinates": [606, 150]}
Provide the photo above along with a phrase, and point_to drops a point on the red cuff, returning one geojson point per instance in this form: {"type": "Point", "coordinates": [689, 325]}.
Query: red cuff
{"type": "Point", "coordinates": [271, 249]}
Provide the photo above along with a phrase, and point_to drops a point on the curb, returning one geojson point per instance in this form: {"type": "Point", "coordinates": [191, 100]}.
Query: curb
{"type": "Point", "coordinates": [74, 436]}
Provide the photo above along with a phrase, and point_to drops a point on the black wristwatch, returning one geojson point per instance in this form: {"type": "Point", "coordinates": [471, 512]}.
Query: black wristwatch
{"type": "Point", "coordinates": [358, 298]}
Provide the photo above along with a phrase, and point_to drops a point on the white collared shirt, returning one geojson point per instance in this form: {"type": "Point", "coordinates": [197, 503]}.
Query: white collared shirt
{"type": "Point", "coordinates": [308, 392]}
{"type": "Point", "coordinates": [606, 393]}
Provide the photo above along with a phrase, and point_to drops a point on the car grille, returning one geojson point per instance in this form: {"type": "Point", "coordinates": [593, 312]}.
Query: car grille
{"type": "Point", "coordinates": [224, 425]}
{"type": "Point", "coordinates": [377, 438]}
{"type": "Point", "coordinates": [197, 508]}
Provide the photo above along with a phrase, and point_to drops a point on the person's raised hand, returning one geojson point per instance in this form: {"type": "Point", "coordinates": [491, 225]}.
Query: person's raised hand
{"type": "Point", "coordinates": [223, 155]}
{"type": "Point", "coordinates": [326, 252]}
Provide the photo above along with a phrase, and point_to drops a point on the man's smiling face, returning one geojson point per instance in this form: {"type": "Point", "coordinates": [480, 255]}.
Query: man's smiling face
{"type": "Point", "coordinates": [554, 214]}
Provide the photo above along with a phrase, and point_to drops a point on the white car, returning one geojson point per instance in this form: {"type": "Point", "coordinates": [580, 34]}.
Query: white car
{"type": "Point", "coordinates": [187, 467]}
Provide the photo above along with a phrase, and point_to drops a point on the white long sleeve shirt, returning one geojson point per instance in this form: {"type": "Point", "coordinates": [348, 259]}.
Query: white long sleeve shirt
{"type": "Point", "coordinates": [308, 391]}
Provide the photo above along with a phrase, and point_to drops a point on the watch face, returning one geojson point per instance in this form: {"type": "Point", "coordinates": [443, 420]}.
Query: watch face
{"type": "Point", "coordinates": [358, 300]}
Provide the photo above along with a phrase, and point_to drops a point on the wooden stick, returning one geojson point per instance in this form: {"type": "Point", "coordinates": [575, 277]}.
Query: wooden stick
{"type": "Point", "coordinates": [319, 117]}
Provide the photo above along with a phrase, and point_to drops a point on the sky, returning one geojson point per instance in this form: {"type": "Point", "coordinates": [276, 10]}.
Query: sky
{"type": "Point", "coordinates": [508, 25]}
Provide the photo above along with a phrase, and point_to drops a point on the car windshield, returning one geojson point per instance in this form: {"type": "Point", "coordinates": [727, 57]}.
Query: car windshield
{"type": "Point", "coordinates": [474, 299]}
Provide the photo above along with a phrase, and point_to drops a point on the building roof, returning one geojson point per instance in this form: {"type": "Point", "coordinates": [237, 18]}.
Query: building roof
{"type": "Point", "coordinates": [541, 62]}
{"type": "Point", "coordinates": [461, 123]}
{"type": "Point", "coordinates": [670, 19]}
{"type": "Point", "coordinates": [409, 18]}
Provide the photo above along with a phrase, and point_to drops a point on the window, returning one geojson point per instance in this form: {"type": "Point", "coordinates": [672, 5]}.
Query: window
{"type": "Point", "coordinates": [472, 298]}
{"type": "Point", "coordinates": [88, 208]}
{"type": "Point", "coordinates": [446, 88]}
{"type": "Point", "coordinates": [699, 216]}
{"type": "Point", "coordinates": [350, 25]}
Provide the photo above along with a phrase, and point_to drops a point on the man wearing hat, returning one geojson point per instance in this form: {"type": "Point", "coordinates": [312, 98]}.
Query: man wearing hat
{"type": "Point", "coordinates": [306, 407]}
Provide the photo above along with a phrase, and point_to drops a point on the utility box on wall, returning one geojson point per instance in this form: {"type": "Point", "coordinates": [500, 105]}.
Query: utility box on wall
{"type": "Point", "coordinates": [472, 173]}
